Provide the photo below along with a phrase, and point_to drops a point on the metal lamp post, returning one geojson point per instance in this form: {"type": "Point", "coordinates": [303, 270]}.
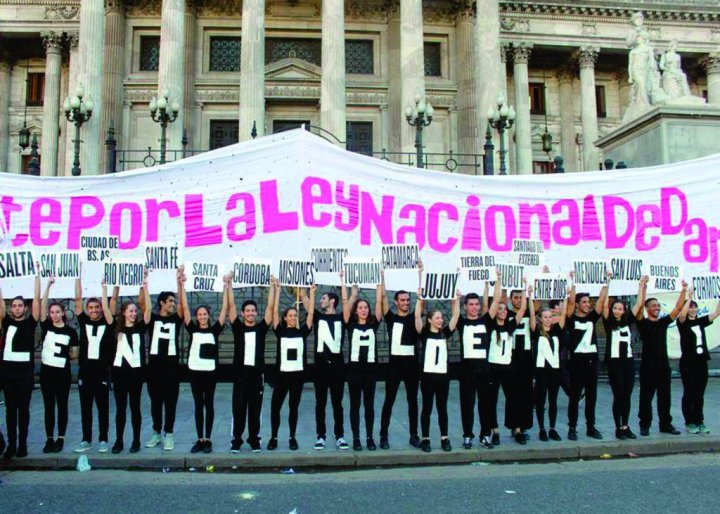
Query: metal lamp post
{"type": "Point", "coordinates": [77, 112]}
{"type": "Point", "coordinates": [419, 115]}
{"type": "Point", "coordinates": [24, 133]}
{"type": "Point", "coordinates": [501, 118]}
{"type": "Point", "coordinates": [160, 114]}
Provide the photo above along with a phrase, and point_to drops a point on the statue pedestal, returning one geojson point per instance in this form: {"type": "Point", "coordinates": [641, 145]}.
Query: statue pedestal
{"type": "Point", "coordinates": [665, 134]}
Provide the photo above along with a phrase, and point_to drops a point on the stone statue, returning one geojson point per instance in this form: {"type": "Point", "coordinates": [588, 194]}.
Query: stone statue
{"type": "Point", "coordinates": [674, 81]}
{"type": "Point", "coordinates": [637, 21]}
{"type": "Point", "coordinates": [641, 71]}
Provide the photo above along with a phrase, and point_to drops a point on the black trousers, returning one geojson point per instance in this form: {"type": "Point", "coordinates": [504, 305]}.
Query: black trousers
{"type": "Point", "coordinates": [547, 386]}
{"type": "Point", "coordinates": [583, 377]}
{"type": "Point", "coordinates": [621, 374]}
{"type": "Point", "coordinates": [694, 379]}
{"type": "Point", "coordinates": [291, 383]}
{"type": "Point", "coordinates": [475, 385]}
{"type": "Point", "coordinates": [501, 377]}
{"type": "Point", "coordinates": [523, 370]}
{"type": "Point", "coordinates": [18, 389]}
{"type": "Point", "coordinates": [362, 390]}
{"type": "Point", "coordinates": [654, 377]}
{"type": "Point", "coordinates": [55, 388]}
{"type": "Point", "coordinates": [93, 387]}
{"type": "Point", "coordinates": [408, 374]}
{"type": "Point", "coordinates": [164, 390]}
{"type": "Point", "coordinates": [247, 398]}
{"type": "Point", "coordinates": [127, 385]}
{"type": "Point", "coordinates": [202, 384]}
{"type": "Point", "coordinates": [329, 377]}
{"type": "Point", "coordinates": [437, 391]}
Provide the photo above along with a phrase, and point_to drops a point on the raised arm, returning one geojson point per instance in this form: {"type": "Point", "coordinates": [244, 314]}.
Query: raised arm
{"type": "Point", "coordinates": [455, 316]}
{"type": "Point", "coordinates": [385, 305]}
{"type": "Point", "coordinates": [344, 297]}
{"type": "Point", "coordinates": [563, 308]}
{"type": "Point", "coordinates": [276, 308]}
{"type": "Point", "coordinates": [227, 280]}
{"type": "Point", "coordinates": [486, 299]}
{"type": "Point", "coordinates": [680, 301]}
{"type": "Point", "coordinates": [311, 306]}
{"type": "Point", "coordinates": [78, 294]}
{"type": "Point", "coordinates": [36, 307]}
{"type": "Point", "coordinates": [531, 307]}
{"type": "Point", "coordinates": [603, 298]}
{"type": "Point", "coordinates": [232, 308]}
{"type": "Point", "coordinates": [107, 312]}
{"type": "Point", "coordinates": [46, 299]}
{"type": "Point", "coordinates": [520, 314]}
{"type": "Point", "coordinates": [378, 302]}
{"type": "Point", "coordinates": [305, 299]}
{"type": "Point", "coordinates": [418, 311]}
{"type": "Point", "coordinates": [114, 299]}
{"type": "Point", "coordinates": [271, 300]}
{"type": "Point", "coordinates": [179, 272]}
{"type": "Point", "coordinates": [184, 304]}
{"type": "Point", "coordinates": [714, 314]}
{"type": "Point", "coordinates": [637, 309]}
{"type": "Point", "coordinates": [497, 292]}
{"type": "Point", "coordinates": [147, 305]}
{"type": "Point", "coordinates": [686, 306]}
{"type": "Point", "coordinates": [570, 309]}
{"type": "Point", "coordinates": [2, 305]}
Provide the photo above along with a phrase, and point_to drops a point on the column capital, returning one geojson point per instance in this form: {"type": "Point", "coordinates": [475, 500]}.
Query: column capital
{"type": "Point", "coordinates": [52, 41]}
{"type": "Point", "coordinates": [587, 56]}
{"type": "Point", "coordinates": [566, 73]}
{"type": "Point", "coordinates": [505, 49]}
{"type": "Point", "coordinates": [115, 7]}
{"type": "Point", "coordinates": [712, 63]}
{"type": "Point", "coordinates": [465, 10]}
{"type": "Point", "coordinates": [6, 60]}
{"type": "Point", "coordinates": [521, 53]}
{"type": "Point", "coordinates": [72, 39]}
{"type": "Point", "coordinates": [392, 7]}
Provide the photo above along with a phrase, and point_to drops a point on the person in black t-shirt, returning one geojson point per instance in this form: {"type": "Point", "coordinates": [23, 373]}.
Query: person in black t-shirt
{"type": "Point", "coordinates": [96, 347]}
{"type": "Point", "coordinates": [402, 365]}
{"type": "Point", "coordinates": [654, 365]}
{"type": "Point", "coordinates": [59, 346]}
{"type": "Point", "coordinates": [584, 361]}
{"type": "Point", "coordinates": [362, 327]}
{"type": "Point", "coordinates": [202, 362]}
{"type": "Point", "coordinates": [694, 363]}
{"type": "Point", "coordinates": [291, 363]}
{"type": "Point", "coordinates": [619, 358]}
{"type": "Point", "coordinates": [163, 380]}
{"type": "Point", "coordinates": [128, 364]}
{"type": "Point", "coordinates": [18, 367]}
{"type": "Point", "coordinates": [248, 363]}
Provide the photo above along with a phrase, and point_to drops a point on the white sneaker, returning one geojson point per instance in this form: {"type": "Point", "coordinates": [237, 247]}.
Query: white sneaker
{"type": "Point", "coordinates": [169, 443]}
{"type": "Point", "coordinates": [154, 440]}
{"type": "Point", "coordinates": [342, 444]}
{"type": "Point", "coordinates": [320, 443]}
{"type": "Point", "coordinates": [103, 447]}
{"type": "Point", "coordinates": [82, 447]}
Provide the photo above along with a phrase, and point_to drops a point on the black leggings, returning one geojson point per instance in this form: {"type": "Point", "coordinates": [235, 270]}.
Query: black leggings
{"type": "Point", "coordinates": [93, 387]}
{"type": "Point", "coordinates": [475, 384]}
{"type": "Point", "coordinates": [437, 390]}
{"type": "Point", "coordinates": [362, 388]}
{"type": "Point", "coordinates": [694, 378]}
{"type": "Point", "coordinates": [164, 390]}
{"type": "Point", "coordinates": [18, 389]}
{"type": "Point", "coordinates": [247, 404]}
{"type": "Point", "coordinates": [329, 377]}
{"type": "Point", "coordinates": [583, 377]}
{"type": "Point", "coordinates": [621, 374]}
{"type": "Point", "coordinates": [408, 374]}
{"type": "Point", "coordinates": [523, 370]}
{"type": "Point", "coordinates": [501, 377]}
{"type": "Point", "coordinates": [55, 388]}
{"type": "Point", "coordinates": [286, 383]}
{"type": "Point", "coordinates": [127, 384]}
{"type": "Point", "coordinates": [547, 386]}
{"type": "Point", "coordinates": [203, 391]}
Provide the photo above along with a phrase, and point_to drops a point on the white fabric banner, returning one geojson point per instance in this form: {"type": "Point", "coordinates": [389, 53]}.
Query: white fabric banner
{"type": "Point", "coordinates": [280, 196]}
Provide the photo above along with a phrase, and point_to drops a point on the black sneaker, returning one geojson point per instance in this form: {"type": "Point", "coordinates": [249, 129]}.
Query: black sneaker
{"type": "Point", "coordinates": [644, 432]}
{"type": "Point", "coordinates": [543, 436]}
{"type": "Point", "coordinates": [135, 447]}
{"type": "Point", "coordinates": [620, 434]}
{"type": "Point", "coordinates": [207, 447]}
{"type": "Point", "coordinates": [670, 430]}
{"type": "Point", "coordinates": [197, 447]}
{"type": "Point", "coordinates": [467, 443]}
{"type": "Point", "coordinates": [485, 443]}
{"type": "Point", "coordinates": [425, 445]}
{"type": "Point", "coordinates": [415, 441]}
{"type": "Point", "coordinates": [272, 444]}
{"type": "Point", "coordinates": [255, 446]}
{"type": "Point", "coordinates": [10, 452]}
{"type": "Point", "coordinates": [58, 446]}
{"type": "Point", "coordinates": [496, 439]}
{"type": "Point", "coordinates": [519, 438]}
{"type": "Point", "coordinates": [526, 436]}
{"type": "Point", "coordinates": [384, 443]}
{"type": "Point", "coordinates": [553, 434]}
{"type": "Point", "coordinates": [49, 445]}
{"type": "Point", "coordinates": [370, 443]}
{"type": "Point", "coordinates": [629, 434]}
{"type": "Point", "coordinates": [356, 444]}
{"type": "Point", "coordinates": [594, 433]}
{"type": "Point", "coordinates": [572, 434]}
{"type": "Point", "coordinates": [235, 445]}
{"type": "Point", "coordinates": [22, 450]}
{"type": "Point", "coordinates": [445, 445]}
{"type": "Point", "coordinates": [293, 444]}
{"type": "Point", "coordinates": [117, 447]}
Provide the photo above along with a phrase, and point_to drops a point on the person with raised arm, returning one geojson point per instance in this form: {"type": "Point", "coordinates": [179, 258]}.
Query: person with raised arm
{"type": "Point", "coordinates": [694, 359]}
{"type": "Point", "coordinates": [584, 361]}
{"type": "Point", "coordinates": [59, 347]}
{"type": "Point", "coordinates": [18, 366]}
{"type": "Point", "coordinates": [248, 366]}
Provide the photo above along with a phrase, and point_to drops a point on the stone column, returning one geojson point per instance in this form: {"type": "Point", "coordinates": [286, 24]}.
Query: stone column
{"type": "Point", "coordinates": [92, 39]}
{"type": "Point", "coordinates": [73, 70]}
{"type": "Point", "coordinates": [395, 116]}
{"type": "Point", "coordinates": [488, 63]}
{"type": "Point", "coordinates": [189, 107]}
{"type": "Point", "coordinates": [567, 118]}
{"type": "Point", "coordinates": [252, 69]}
{"type": "Point", "coordinates": [412, 62]}
{"type": "Point", "coordinates": [587, 56]}
{"type": "Point", "coordinates": [712, 68]}
{"type": "Point", "coordinates": [523, 135]}
{"type": "Point", "coordinates": [171, 75]}
{"type": "Point", "coordinates": [332, 88]}
{"type": "Point", "coordinates": [114, 70]}
{"type": "Point", "coordinates": [51, 103]}
{"type": "Point", "coordinates": [471, 123]}
{"type": "Point", "coordinates": [5, 69]}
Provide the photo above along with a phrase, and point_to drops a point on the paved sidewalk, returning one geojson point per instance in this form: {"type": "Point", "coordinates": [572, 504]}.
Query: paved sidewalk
{"type": "Point", "coordinates": [400, 454]}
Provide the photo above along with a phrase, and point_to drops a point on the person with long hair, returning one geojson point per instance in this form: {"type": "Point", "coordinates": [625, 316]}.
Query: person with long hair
{"type": "Point", "coordinates": [434, 367]}
{"type": "Point", "coordinates": [619, 357]}
{"type": "Point", "coordinates": [18, 367]}
{"type": "Point", "coordinates": [203, 361]}
{"type": "Point", "coordinates": [128, 365]}
{"type": "Point", "coordinates": [547, 340]}
{"type": "Point", "coordinates": [694, 362]}
{"type": "Point", "coordinates": [59, 346]}
{"type": "Point", "coordinates": [362, 326]}
{"type": "Point", "coordinates": [291, 363]}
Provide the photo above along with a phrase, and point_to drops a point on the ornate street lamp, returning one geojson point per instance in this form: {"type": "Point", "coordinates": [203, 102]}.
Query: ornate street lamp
{"type": "Point", "coordinates": [419, 115]}
{"type": "Point", "coordinates": [34, 166]}
{"type": "Point", "coordinates": [501, 118]}
{"type": "Point", "coordinates": [24, 133]}
{"type": "Point", "coordinates": [77, 112]}
{"type": "Point", "coordinates": [160, 114]}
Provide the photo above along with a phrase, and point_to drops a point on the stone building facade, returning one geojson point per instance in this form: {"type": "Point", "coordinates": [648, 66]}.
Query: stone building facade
{"type": "Point", "coordinates": [347, 66]}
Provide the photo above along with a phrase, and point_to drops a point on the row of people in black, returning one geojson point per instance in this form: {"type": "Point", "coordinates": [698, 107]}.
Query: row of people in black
{"type": "Point", "coordinates": [521, 351]}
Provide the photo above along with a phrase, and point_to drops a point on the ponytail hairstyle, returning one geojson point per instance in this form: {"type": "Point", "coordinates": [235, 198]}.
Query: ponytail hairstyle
{"type": "Point", "coordinates": [120, 317]}
{"type": "Point", "coordinates": [429, 316]}
{"type": "Point", "coordinates": [62, 308]}
{"type": "Point", "coordinates": [207, 309]}
{"type": "Point", "coordinates": [624, 320]}
{"type": "Point", "coordinates": [542, 329]}
{"type": "Point", "coordinates": [283, 323]}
